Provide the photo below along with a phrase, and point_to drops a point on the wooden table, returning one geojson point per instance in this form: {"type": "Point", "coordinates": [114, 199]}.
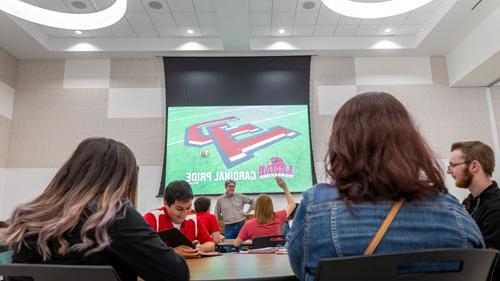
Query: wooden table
{"type": "Point", "coordinates": [241, 267]}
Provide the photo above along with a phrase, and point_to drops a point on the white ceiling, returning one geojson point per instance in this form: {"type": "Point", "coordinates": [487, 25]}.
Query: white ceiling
{"type": "Point", "coordinates": [244, 27]}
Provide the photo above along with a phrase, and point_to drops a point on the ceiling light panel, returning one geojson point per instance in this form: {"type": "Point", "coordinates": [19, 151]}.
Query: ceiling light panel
{"type": "Point", "coordinates": [388, 30]}
{"type": "Point", "coordinates": [287, 31]}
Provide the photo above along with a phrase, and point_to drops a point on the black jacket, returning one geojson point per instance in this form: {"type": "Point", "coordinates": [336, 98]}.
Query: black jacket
{"type": "Point", "coordinates": [485, 209]}
{"type": "Point", "coordinates": [135, 250]}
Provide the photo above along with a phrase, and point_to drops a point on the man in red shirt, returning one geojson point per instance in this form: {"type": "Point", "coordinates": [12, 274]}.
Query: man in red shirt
{"type": "Point", "coordinates": [202, 207]}
{"type": "Point", "coordinates": [177, 201]}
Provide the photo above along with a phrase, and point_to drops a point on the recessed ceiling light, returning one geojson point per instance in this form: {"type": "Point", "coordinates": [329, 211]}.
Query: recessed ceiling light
{"type": "Point", "coordinates": [79, 5]}
{"type": "Point", "coordinates": [72, 21]}
{"type": "Point", "coordinates": [78, 32]}
{"type": "Point", "coordinates": [308, 5]}
{"type": "Point", "coordinates": [155, 5]}
{"type": "Point", "coordinates": [281, 30]}
{"type": "Point", "coordinates": [190, 31]}
{"type": "Point", "coordinates": [387, 30]}
{"type": "Point", "coordinates": [366, 10]}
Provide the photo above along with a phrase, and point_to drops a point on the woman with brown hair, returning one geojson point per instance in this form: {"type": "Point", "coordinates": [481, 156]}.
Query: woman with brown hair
{"type": "Point", "coordinates": [267, 222]}
{"type": "Point", "coordinates": [377, 161]}
{"type": "Point", "coordinates": [86, 216]}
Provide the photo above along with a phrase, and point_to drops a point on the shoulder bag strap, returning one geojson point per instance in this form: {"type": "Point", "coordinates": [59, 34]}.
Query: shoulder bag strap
{"type": "Point", "coordinates": [383, 228]}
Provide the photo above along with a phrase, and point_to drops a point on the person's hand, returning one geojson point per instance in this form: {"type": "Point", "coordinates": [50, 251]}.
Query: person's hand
{"type": "Point", "coordinates": [187, 252]}
{"type": "Point", "coordinates": [222, 238]}
{"type": "Point", "coordinates": [281, 183]}
{"type": "Point", "coordinates": [196, 243]}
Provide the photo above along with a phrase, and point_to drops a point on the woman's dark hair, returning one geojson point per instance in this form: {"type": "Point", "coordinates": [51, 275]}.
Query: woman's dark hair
{"type": "Point", "coordinates": [177, 190]}
{"type": "Point", "coordinates": [202, 204]}
{"type": "Point", "coordinates": [375, 152]}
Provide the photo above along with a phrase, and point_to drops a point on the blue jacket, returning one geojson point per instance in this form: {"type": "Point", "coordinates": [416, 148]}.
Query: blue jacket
{"type": "Point", "coordinates": [324, 228]}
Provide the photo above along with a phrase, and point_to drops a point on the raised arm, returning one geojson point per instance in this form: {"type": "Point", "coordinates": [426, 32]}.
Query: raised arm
{"type": "Point", "coordinates": [289, 199]}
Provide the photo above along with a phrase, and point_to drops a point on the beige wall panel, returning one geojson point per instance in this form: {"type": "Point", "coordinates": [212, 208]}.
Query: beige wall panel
{"type": "Point", "coordinates": [137, 73]}
{"type": "Point", "coordinates": [8, 68]}
{"type": "Point", "coordinates": [439, 70]}
{"type": "Point", "coordinates": [49, 123]}
{"type": "Point", "coordinates": [332, 71]}
{"type": "Point", "coordinates": [443, 115]}
{"type": "Point", "coordinates": [320, 136]}
{"type": "Point", "coordinates": [145, 136]}
{"type": "Point", "coordinates": [4, 140]}
{"type": "Point", "coordinates": [326, 71]}
{"type": "Point", "coordinates": [40, 74]}
{"type": "Point", "coordinates": [495, 96]}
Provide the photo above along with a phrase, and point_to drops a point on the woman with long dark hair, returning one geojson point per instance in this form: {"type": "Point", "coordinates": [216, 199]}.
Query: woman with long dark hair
{"type": "Point", "coordinates": [377, 161]}
{"type": "Point", "coordinates": [86, 216]}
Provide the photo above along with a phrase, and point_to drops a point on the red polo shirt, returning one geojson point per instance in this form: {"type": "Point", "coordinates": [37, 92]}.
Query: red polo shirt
{"type": "Point", "coordinates": [252, 228]}
{"type": "Point", "coordinates": [209, 221]}
{"type": "Point", "coordinates": [159, 220]}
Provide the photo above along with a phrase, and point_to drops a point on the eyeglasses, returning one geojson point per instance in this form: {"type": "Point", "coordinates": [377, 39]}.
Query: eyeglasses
{"type": "Point", "coordinates": [450, 166]}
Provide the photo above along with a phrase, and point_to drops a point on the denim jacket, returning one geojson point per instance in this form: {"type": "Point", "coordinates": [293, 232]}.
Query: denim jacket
{"type": "Point", "coordinates": [324, 228]}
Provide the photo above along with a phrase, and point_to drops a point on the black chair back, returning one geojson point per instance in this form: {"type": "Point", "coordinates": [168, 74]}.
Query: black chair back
{"type": "Point", "coordinates": [268, 241]}
{"type": "Point", "coordinates": [52, 272]}
{"type": "Point", "coordinates": [467, 264]}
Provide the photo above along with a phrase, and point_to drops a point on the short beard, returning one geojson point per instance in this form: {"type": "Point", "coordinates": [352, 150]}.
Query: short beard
{"type": "Point", "coordinates": [466, 179]}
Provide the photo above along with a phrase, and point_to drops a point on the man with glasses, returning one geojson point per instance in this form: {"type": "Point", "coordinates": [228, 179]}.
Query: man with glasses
{"type": "Point", "coordinates": [230, 206]}
{"type": "Point", "coordinates": [471, 165]}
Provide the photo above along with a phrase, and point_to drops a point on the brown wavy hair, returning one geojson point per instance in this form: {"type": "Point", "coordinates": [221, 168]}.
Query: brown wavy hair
{"type": "Point", "coordinates": [375, 152]}
{"type": "Point", "coordinates": [264, 212]}
{"type": "Point", "coordinates": [97, 181]}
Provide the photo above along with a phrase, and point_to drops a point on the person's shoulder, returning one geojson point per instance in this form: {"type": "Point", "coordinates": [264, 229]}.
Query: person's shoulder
{"type": "Point", "coordinates": [281, 214]}
{"type": "Point", "coordinates": [156, 212]}
{"type": "Point", "coordinates": [322, 192]}
{"type": "Point", "coordinates": [250, 222]}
